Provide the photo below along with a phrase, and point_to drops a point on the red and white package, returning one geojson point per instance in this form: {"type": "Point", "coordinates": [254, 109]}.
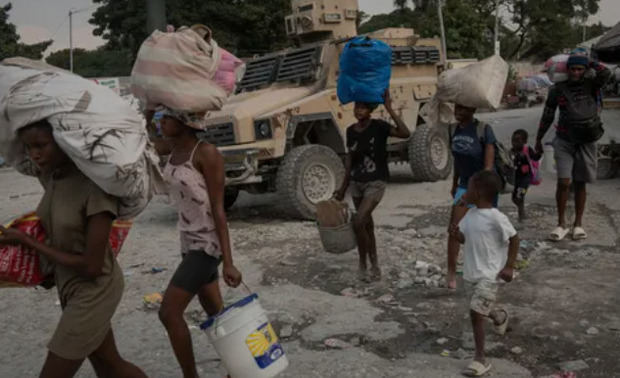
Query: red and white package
{"type": "Point", "coordinates": [19, 265]}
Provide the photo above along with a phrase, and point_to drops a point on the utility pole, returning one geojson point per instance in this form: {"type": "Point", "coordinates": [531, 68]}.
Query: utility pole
{"type": "Point", "coordinates": [444, 48]}
{"type": "Point", "coordinates": [583, 38]}
{"type": "Point", "coordinates": [71, 13]}
{"type": "Point", "coordinates": [155, 15]}
{"type": "Point", "coordinates": [496, 43]}
{"type": "Point", "coordinates": [71, 40]}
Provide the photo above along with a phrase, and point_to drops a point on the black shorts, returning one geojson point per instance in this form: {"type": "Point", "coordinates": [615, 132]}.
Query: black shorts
{"type": "Point", "coordinates": [196, 270]}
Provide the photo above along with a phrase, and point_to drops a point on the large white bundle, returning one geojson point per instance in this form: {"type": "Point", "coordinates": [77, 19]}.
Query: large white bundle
{"type": "Point", "coordinates": [176, 70]}
{"type": "Point", "coordinates": [96, 128]}
{"type": "Point", "coordinates": [479, 85]}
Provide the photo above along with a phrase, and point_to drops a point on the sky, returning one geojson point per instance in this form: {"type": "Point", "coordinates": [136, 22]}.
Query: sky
{"type": "Point", "coordinates": [40, 20]}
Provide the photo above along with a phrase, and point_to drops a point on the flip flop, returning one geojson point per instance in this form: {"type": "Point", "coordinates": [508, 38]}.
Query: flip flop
{"type": "Point", "coordinates": [476, 369]}
{"type": "Point", "coordinates": [579, 233]}
{"type": "Point", "coordinates": [500, 329]}
{"type": "Point", "coordinates": [558, 233]}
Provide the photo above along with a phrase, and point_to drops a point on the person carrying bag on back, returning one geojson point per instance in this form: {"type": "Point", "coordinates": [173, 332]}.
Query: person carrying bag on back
{"type": "Point", "coordinates": [579, 128]}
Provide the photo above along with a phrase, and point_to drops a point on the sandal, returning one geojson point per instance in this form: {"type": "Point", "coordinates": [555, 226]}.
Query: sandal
{"type": "Point", "coordinates": [558, 233]}
{"type": "Point", "coordinates": [579, 233]}
{"type": "Point", "coordinates": [500, 329]}
{"type": "Point", "coordinates": [476, 369]}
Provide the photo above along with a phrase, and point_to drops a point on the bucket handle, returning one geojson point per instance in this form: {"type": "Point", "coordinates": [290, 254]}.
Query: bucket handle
{"type": "Point", "coordinates": [247, 288]}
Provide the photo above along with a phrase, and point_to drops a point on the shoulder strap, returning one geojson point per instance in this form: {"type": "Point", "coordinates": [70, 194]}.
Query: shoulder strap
{"type": "Point", "coordinates": [191, 157]}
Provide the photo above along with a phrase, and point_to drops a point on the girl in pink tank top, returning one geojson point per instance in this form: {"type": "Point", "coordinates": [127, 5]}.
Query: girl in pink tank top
{"type": "Point", "coordinates": [195, 175]}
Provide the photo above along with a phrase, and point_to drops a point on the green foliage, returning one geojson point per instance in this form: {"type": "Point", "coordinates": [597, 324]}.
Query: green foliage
{"type": "Point", "coordinates": [400, 18]}
{"type": "Point", "coordinates": [467, 33]}
{"type": "Point", "coordinates": [245, 27]}
{"type": "Point", "coordinates": [530, 29]}
{"type": "Point", "coordinates": [94, 63]}
{"type": "Point", "coordinates": [545, 27]}
{"type": "Point", "coordinates": [401, 4]}
{"type": "Point", "coordinates": [9, 40]}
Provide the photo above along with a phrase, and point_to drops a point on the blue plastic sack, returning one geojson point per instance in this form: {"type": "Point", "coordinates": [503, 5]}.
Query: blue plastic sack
{"type": "Point", "coordinates": [365, 70]}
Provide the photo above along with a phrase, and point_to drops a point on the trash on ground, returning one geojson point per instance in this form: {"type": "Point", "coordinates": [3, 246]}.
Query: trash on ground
{"type": "Point", "coordinates": [337, 344]}
{"type": "Point", "coordinates": [153, 301]}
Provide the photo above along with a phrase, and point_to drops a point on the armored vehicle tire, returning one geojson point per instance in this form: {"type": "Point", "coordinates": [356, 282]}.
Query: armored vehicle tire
{"type": "Point", "coordinates": [429, 154]}
{"type": "Point", "coordinates": [606, 168]}
{"type": "Point", "coordinates": [230, 197]}
{"type": "Point", "coordinates": [309, 174]}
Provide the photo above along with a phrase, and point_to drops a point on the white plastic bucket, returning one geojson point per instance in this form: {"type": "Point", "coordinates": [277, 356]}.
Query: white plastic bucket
{"type": "Point", "coordinates": [245, 340]}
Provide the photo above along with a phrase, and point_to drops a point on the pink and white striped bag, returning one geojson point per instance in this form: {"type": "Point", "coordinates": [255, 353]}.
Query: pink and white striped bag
{"type": "Point", "coordinates": [177, 70]}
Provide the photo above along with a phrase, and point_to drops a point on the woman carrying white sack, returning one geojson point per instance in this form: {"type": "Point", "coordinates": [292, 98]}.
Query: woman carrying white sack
{"type": "Point", "coordinates": [76, 213]}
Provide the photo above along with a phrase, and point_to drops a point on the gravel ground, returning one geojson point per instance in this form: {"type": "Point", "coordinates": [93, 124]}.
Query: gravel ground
{"type": "Point", "coordinates": [563, 303]}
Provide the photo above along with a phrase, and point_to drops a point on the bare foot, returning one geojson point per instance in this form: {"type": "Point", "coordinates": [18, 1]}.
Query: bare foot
{"type": "Point", "coordinates": [375, 273]}
{"type": "Point", "coordinates": [451, 281]}
{"type": "Point", "coordinates": [362, 274]}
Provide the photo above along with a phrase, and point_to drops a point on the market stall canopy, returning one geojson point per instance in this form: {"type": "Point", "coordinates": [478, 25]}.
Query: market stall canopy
{"type": "Point", "coordinates": [608, 48]}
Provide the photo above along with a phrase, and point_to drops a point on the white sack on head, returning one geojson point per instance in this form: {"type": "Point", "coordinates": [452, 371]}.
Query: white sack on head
{"type": "Point", "coordinates": [96, 128]}
{"type": "Point", "coordinates": [479, 85]}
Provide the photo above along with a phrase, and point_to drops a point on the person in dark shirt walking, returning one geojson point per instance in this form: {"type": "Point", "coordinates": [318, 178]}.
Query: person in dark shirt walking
{"type": "Point", "coordinates": [579, 127]}
{"type": "Point", "coordinates": [366, 175]}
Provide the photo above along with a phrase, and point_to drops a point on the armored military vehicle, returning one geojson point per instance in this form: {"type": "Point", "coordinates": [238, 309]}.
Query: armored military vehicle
{"type": "Point", "coordinates": [284, 130]}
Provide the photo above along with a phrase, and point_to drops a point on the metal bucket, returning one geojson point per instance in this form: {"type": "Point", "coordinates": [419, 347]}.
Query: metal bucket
{"type": "Point", "coordinates": [339, 239]}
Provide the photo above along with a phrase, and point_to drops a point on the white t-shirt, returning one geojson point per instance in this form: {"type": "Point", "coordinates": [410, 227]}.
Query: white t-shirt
{"type": "Point", "coordinates": [487, 233]}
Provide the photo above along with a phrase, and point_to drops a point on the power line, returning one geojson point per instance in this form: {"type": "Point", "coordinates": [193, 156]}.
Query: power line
{"type": "Point", "coordinates": [59, 26]}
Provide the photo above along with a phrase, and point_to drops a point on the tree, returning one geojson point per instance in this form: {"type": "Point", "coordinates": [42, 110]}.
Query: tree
{"type": "Point", "coordinates": [401, 4]}
{"type": "Point", "coordinates": [94, 63]}
{"type": "Point", "coordinates": [246, 27]}
{"type": "Point", "coordinates": [361, 18]}
{"type": "Point", "coordinates": [407, 18]}
{"type": "Point", "coordinates": [530, 29]}
{"type": "Point", "coordinates": [466, 29]}
{"type": "Point", "coordinates": [9, 40]}
{"type": "Point", "coordinates": [544, 27]}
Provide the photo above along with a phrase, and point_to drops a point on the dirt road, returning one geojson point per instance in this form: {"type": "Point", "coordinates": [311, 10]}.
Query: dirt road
{"type": "Point", "coordinates": [563, 303]}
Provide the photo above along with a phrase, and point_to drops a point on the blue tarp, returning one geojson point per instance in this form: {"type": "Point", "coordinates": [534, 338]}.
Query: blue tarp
{"type": "Point", "coordinates": [365, 71]}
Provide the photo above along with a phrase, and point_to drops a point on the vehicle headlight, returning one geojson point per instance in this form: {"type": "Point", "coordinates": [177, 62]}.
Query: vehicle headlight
{"type": "Point", "coordinates": [262, 129]}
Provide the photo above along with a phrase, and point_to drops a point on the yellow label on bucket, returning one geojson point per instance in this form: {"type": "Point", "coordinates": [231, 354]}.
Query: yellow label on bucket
{"type": "Point", "coordinates": [264, 346]}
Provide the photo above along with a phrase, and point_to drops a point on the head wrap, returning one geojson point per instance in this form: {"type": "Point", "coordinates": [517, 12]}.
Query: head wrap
{"type": "Point", "coordinates": [194, 120]}
{"type": "Point", "coordinates": [578, 57]}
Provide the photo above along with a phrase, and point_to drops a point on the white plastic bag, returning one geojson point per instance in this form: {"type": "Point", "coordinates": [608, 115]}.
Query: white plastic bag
{"type": "Point", "coordinates": [96, 128]}
{"type": "Point", "coordinates": [479, 85]}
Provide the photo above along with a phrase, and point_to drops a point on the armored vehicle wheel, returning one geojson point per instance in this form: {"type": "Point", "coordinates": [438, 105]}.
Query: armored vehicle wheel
{"type": "Point", "coordinates": [429, 154]}
{"type": "Point", "coordinates": [230, 196]}
{"type": "Point", "coordinates": [308, 175]}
